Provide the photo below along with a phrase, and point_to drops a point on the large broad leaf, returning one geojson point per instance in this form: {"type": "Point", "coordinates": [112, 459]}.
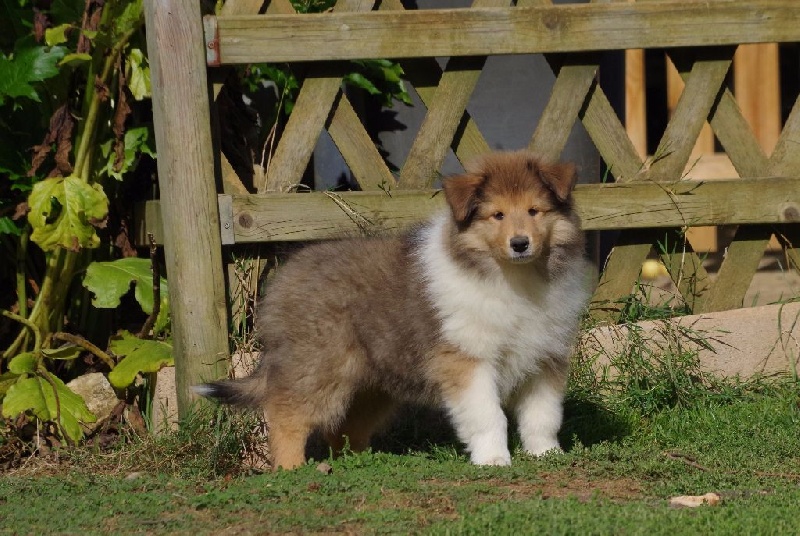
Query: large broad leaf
{"type": "Point", "coordinates": [39, 396]}
{"type": "Point", "coordinates": [26, 67]}
{"type": "Point", "coordinates": [64, 212]}
{"type": "Point", "coordinates": [141, 355]}
{"type": "Point", "coordinates": [109, 281]}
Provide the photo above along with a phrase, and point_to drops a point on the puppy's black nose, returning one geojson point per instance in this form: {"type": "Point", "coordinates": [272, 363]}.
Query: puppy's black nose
{"type": "Point", "coordinates": [519, 243]}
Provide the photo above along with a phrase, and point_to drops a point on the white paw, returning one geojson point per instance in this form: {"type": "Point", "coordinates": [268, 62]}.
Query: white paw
{"type": "Point", "coordinates": [542, 447]}
{"type": "Point", "coordinates": [499, 458]}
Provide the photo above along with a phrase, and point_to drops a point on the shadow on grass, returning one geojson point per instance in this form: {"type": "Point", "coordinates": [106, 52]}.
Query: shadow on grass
{"type": "Point", "coordinates": [589, 422]}
{"type": "Point", "coordinates": [428, 430]}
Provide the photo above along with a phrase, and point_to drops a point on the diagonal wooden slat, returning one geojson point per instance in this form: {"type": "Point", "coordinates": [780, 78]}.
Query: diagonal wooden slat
{"type": "Point", "coordinates": [745, 252]}
{"type": "Point", "coordinates": [438, 128]}
{"type": "Point", "coordinates": [312, 108]}
{"type": "Point", "coordinates": [609, 136]}
{"type": "Point", "coordinates": [424, 75]}
{"type": "Point", "coordinates": [732, 130]}
{"type": "Point", "coordinates": [746, 249]}
{"type": "Point", "coordinates": [357, 148]}
{"type": "Point", "coordinates": [735, 274]}
{"type": "Point", "coordinates": [703, 85]}
{"type": "Point", "coordinates": [445, 112]}
{"type": "Point", "coordinates": [573, 82]}
{"type": "Point", "coordinates": [786, 156]}
{"type": "Point", "coordinates": [701, 91]}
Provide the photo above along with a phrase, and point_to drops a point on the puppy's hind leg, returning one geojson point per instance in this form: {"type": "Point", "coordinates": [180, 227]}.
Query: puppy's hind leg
{"type": "Point", "coordinates": [368, 411]}
{"type": "Point", "coordinates": [289, 428]}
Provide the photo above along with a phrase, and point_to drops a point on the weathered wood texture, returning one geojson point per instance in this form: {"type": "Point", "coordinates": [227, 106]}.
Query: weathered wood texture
{"type": "Point", "coordinates": [185, 167]}
{"type": "Point", "coordinates": [470, 32]}
{"type": "Point", "coordinates": [637, 205]}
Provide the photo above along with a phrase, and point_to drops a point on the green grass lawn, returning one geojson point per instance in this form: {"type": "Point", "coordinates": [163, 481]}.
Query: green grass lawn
{"type": "Point", "coordinates": [621, 467]}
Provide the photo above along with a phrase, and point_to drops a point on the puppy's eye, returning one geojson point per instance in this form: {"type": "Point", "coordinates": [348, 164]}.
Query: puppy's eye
{"type": "Point", "coordinates": [498, 216]}
{"type": "Point", "coordinates": [533, 211]}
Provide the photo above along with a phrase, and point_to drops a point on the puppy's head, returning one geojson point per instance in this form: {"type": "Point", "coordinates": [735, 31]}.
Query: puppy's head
{"type": "Point", "coordinates": [513, 206]}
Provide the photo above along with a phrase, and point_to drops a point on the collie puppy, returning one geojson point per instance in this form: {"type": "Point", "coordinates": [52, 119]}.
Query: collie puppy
{"type": "Point", "coordinates": [475, 311]}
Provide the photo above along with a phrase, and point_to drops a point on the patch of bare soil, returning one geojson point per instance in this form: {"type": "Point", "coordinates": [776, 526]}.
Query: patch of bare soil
{"type": "Point", "coordinates": [564, 484]}
{"type": "Point", "coordinates": [561, 485]}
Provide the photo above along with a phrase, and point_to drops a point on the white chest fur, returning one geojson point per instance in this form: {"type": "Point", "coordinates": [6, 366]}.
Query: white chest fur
{"type": "Point", "coordinates": [514, 319]}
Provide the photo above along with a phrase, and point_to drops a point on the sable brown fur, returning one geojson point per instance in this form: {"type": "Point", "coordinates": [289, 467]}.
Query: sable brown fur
{"type": "Point", "coordinates": [351, 328]}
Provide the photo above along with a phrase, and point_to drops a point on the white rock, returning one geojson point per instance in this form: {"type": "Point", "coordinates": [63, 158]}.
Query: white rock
{"type": "Point", "coordinates": [99, 396]}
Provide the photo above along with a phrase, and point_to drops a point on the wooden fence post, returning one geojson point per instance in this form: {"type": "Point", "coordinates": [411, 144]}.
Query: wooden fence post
{"type": "Point", "coordinates": [189, 209]}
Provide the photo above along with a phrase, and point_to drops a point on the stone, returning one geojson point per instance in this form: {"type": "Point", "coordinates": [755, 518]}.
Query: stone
{"type": "Point", "coordinates": [99, 396]}
{"type": "Point", "coordinates": [742, 342]}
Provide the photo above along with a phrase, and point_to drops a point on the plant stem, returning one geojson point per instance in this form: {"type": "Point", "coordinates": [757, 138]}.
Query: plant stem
{"type": "Point", "coordinates": [86, 345]}
{"type": "Point", "coordinates": [22, 254]}
{"type": "Point", "coordinates": [82, 160]}
{"type": "Point", "coordinates": [37, 334]}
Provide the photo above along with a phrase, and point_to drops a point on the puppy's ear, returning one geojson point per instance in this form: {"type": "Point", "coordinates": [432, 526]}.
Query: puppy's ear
{"type": "Point", "coordinates": [462, 193]}
{"type": "Point", "coordinates": [560, 178]}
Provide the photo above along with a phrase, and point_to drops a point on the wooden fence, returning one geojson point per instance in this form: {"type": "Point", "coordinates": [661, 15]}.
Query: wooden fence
{"type": "Point", "coordinates": [647, 198]}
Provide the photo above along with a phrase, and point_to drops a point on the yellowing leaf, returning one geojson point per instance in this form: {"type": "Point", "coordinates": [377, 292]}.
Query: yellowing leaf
{"type": "Point", "coordinates": [75, 58]}
{"type": "Point", "coordinates": [57, 35]}
{"type": "Point", "coordinates": [64, 213]}
{"type": "Point", "coordinates": [139, 77]}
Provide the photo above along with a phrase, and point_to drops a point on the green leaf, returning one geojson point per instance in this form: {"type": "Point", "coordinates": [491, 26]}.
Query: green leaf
{"type": "Point", "coordinates": [109, 281]}
{"type": "Point", "coordinates": [7, 379]}
{"type": "Point", "coordinates": [38, 396]}
{"type": "Point", "coordinates": [140, 356]}
{"type": "Point", "coordinates": [64, 353]}
{"type": "Point", "coordinates": [129, 18]}
{"type": "Point", "coordinates": [7, 226]}
{"type": "Point", "coordinates": [75, 58]}
{"type": "Point", "coordinates": [26, 67]}
{"type": "Point", "coordinates": [24, 363]}
{"type": "Point", "coordinates": [139, 77]}
{"type": "Point", "coordinates": [64, 213]}
{"type": "Point", "coordinates": [137, 141]}
{"type": "Point", "coordinates": [57, 35]}
{"type": "Point", "coordinates": [359, 80]}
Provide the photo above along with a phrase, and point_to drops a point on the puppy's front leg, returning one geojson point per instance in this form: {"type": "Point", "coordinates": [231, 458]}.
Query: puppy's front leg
{"type": "Point", "coordinates": [539, 409]}
{"type": "Point", "coordinates": [479, 419]}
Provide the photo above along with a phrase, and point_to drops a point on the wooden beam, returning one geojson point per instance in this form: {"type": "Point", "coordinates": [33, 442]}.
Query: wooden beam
{"type": "Point", "coordinates": [634, 205]}
{"type": "Point", "coordinates": [475, 32]}
{"type": "Point", "coordinates": [189, 210]}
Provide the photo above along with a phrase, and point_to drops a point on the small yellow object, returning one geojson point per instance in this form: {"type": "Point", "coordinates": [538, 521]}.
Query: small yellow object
{"type": "Point", "coordinates": [652, 269]}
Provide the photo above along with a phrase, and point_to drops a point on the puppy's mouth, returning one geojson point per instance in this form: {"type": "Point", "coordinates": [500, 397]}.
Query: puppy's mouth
{"type": "Point", "coordinates": [520, 258]}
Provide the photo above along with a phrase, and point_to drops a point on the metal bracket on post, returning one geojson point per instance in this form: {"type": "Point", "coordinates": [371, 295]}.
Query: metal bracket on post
{"type": "Point", "coordinates": [211, 36]}
{"type": "Point", "coordinates": [226, 220]}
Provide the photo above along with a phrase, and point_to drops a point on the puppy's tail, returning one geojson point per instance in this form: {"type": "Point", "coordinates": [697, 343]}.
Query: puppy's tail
{"type": "Point", "coordinates": [245, 392]}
